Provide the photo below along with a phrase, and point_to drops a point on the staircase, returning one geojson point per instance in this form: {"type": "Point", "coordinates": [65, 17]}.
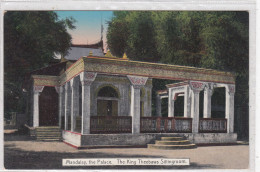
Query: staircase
{"type": "Point", "coordinates": [48, 133]}
{"type": "Point", "coordinates": [169, 143]}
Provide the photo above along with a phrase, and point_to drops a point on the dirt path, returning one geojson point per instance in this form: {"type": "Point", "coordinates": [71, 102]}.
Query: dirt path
{"type": "Point", "coordinates": [21, 153]}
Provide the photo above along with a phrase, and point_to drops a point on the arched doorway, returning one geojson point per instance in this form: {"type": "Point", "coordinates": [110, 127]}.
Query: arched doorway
{"type": "Point", "coordinates": [48, 107]}
{"type": "Point", "coordinates": [107, 101]}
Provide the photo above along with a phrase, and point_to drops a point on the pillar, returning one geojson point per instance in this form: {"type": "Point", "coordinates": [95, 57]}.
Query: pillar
{"type": "Point", "coordinates": [171, 103]}
{"type": "Point", "coordinates": [158, 105]}
{"type": "Point", "coordinates": [230, 91]}
{"type": "Point", "coordinates": [187, 105]}
{"type": "Point", "coordinates": [207, 101]}
{"type": "Point", "coordinates": [136, 83]}
{"type": "Point", "coordinates": [36, 92]}
{"type": "Point", "coordinates": [195, 98]}
{"type": "Point", "coordinates": [86, 79]}
{"type": "Point", "coordinates": [67, 105]}
{"type": "Point", "coordinates": [74, 102]}
{"type": "Point", "coordinates": [135, 108]}
{"type": "Point", "coordinates": [195, 110]}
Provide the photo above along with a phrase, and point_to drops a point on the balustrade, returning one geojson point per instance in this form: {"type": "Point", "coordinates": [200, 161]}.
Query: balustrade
{"type": "Point", "coordinates": [110, 124]}
{"type": "Point", "coordinates": [166, 125]}
{"type": "Point", "coordinates": [211, 125]}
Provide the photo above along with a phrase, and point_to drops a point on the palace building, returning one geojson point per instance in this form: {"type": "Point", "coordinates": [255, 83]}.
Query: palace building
{"type": "Point", "coordinates": [96, 99]}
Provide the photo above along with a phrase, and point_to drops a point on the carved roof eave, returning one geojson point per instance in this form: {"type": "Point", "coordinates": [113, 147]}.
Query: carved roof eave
{"type": "Point", "coordinates": [45, 80]}
{"type": "Point", "coordinates": [156, 70]}
{"type": "Point", "coordinates": [112, 66]}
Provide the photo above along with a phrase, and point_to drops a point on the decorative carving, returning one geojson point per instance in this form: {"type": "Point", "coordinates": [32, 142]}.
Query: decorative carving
{"type": "Point", "coordinates": [38, 89]}
{"type": "Point", "coordinates": [125, 56]}
{"type": "Point", "coordinates": [231, 88]}
{"type": "Point", "coordinates": [197, 85]}
{"type": "Point", "coordinates": [87, 77]}
{"type": "Point", "coordinates": [137, 80]}
{"type": "Point", "coordinates": [86, 83]}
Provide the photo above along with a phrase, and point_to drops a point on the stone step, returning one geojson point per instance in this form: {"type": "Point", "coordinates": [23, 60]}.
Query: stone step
{"type": "Point", "coordinates": [171, 147]}
{"type": "Point", "coordinates": [47, 132]}
{"type": "Point", "coordinates": [172, 138]}
{"type": "Point", "coordinates": [49, 129]}
{"type": "Point", "coordinates": [178, 142]}
{"type": "Point", "coordinates": [49, 139]}
{"type": "Point", "coordinates": [43, 136]}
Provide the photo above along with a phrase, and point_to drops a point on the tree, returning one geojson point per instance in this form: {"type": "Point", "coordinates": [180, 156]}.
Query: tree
{"type": "Point", "coordinates": [30, 41]}
{"type": "Point", "coordinates": [209, 39]}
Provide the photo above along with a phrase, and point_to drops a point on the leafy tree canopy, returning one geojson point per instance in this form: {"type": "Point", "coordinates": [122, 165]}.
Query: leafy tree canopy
{"type": "Point", "coordinates": [30, 41]}
{"type": "Point", "coordinates": [217, 40]}
{"type": "Point", "coordinates": [209, 39]}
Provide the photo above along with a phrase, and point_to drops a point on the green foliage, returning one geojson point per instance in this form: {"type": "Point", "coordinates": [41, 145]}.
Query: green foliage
{"type": "Point", "coordinates": [209, 39]}
{"type": "Point", "coordinates": [30, 41]}
{"type": "Point", "coordinates": [217, 40]}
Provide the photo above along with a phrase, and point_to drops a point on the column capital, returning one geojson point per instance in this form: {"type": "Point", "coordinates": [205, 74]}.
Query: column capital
{"type": "Point", "coordinates": [59, 89]}
{"type": "Point", "coordinates": [86, 83]}
{"type": "Point", "coordinates": [137, 80]}
{"type": "Point", "coordinates": [196, 85]}
{"type": "Point", "coordinates": [38, 89]}
{"type": "Point", "coordinates": [231, 89]}
{"type": "Point", "coordinates": [86, 78]}
{"type": "Point", "coordinates": [67, 85]}
{"type": "Point", "coordinates": [209, 88]}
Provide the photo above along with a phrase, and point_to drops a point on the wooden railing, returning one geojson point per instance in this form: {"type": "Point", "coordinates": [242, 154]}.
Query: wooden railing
{"type": "Point", "coordinates": [211, 125]}
{"type": "Point", "coordinates": [165, 125]}
{"type": "Point", "coordinates": [110, 124]}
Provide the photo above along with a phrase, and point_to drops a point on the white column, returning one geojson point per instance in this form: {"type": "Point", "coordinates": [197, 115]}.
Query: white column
{"type": "Point", "coordinates": [67, 105]}
{"type": "Point", "coordinates": [86, 79]}
{"type": "Point", "coordinates": [170, 103]}
{"type": "Point", "coordinates": [230, 91]}
{"type": "Point", "coordinates": [135, 108]}
{"type": "Point", "coordinates": [74, 102]}
{"type": "Point", "coordinates": [187, 105]}
{"type": "Point", "coordinates": [158, 105]}
{"type": "Point", "coordinates": [136, 82]}
{"type": "Point", "coordinates": [207, 101]}
{"type": "Point", "coordinates": [195, 110]}
{"type": "Point", "coordinates": [195, 98]}
{"type": "Point", "coordinates": [36, 93]}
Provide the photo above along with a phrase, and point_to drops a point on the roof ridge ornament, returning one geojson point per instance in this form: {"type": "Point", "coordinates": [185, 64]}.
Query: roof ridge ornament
{"type": "Point", "coordinates": [108, 54]}
{"type": "Point", "coordinates": [125, 56]}
{"type": "Point", "coordinates": [90, 53]}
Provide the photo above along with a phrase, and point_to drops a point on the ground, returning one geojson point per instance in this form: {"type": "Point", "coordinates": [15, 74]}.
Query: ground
{"type": "Point", "coordinates": [23, 153]}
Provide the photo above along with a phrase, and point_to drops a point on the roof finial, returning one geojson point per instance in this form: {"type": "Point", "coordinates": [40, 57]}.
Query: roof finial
{"type": "Point", "coordinates": [125, 56]}
{"type": "Point", "coordinates": [108, 54]}
{"type": "Point", "coordinates": [90, 53]}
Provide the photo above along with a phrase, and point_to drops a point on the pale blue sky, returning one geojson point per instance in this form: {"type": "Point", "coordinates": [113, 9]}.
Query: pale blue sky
{"type": "Point", "coordinates": [88, 25]}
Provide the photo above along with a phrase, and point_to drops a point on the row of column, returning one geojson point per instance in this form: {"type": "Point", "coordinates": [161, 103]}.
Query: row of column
{"type": "Point", "coordinates": [191, 102]}
{"type": "Point", "coordinates": [71, 101]}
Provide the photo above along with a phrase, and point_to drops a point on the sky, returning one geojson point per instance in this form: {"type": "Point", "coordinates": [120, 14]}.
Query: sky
{"type": "Point", "coordinates": [88, 25]}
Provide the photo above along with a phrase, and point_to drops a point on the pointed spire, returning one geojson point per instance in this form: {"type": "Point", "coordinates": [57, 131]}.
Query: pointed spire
{"type": "Point", "coordinates": [125, 56]}
{"type": "Point", "coordinates": [108, 54]}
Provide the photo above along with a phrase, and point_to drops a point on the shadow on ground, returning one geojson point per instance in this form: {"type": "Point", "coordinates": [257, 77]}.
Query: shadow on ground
{"type": "Point", "coordinates": [15, 158]}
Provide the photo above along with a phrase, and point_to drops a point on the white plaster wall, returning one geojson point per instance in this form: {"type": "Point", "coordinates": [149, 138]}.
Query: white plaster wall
{"type": "Point", "coordinates": [72, 138]}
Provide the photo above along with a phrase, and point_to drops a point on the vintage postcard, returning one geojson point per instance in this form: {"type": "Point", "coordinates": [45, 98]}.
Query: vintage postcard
{"type": "Point", "coordinates": [137, 87]}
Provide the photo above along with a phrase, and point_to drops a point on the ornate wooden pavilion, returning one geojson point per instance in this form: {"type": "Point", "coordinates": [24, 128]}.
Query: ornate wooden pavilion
{"type": "Point", "coordinates": [104, 97]}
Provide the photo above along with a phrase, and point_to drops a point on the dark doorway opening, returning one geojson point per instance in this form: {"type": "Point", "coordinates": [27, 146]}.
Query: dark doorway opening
{"type": "Point", "coordinates": [48, 107]}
